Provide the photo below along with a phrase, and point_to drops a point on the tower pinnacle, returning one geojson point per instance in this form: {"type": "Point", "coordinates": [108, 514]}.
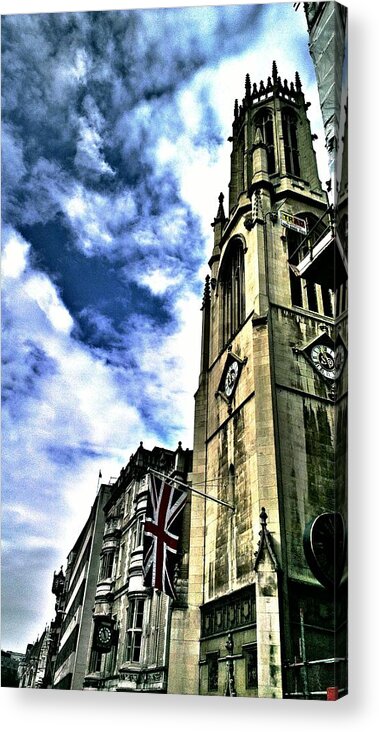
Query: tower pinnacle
{"type": "Point", "coordinates": [220, 216]}
{"type": "Point", "coordinates": [248, 85]}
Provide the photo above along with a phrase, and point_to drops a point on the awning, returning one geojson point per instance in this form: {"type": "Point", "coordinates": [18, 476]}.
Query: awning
{"type": "Point", "coordinates": [324, 264]}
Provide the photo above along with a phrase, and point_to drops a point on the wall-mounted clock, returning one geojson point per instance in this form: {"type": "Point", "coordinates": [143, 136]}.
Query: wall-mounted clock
{"type": "Point", "coordinates": [328, 361]}
{"type": "Point", "coordinates": [230, 375]}
{"type": "Point", "coordinates": [327, 357]}
{"type": "Point", "coordinates": [324, 544]}
{"type": "Point", "coordinates": [103, 634]}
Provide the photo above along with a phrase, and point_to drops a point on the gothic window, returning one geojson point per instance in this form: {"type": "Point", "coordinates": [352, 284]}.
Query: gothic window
{"type": "Point", "coordinates": [291, 151]}
{"type": "Point", "coordinates": [263, 122]}
{"type": "Point", "coordinates": [134, 632]}
{"type": "Point", "coordinates": [232, 280]}
{"type": "Point", "coordinates": [212, 663]}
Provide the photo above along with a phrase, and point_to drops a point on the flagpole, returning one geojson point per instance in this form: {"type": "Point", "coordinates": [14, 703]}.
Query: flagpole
{"type": "Point", "coordinates": [190, 488]}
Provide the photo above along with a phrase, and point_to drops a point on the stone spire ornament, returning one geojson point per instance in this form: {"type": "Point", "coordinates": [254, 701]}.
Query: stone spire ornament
{"type": "Point", "coordinates": [248, 86]}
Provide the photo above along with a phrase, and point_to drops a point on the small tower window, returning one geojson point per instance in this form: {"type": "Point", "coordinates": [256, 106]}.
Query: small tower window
{"type": "Point", "coordinates": [232, 280]}
{"type": "Point", "coordinates": [291, 151]}
{"type": "Point", "coordinates": [263, 122]}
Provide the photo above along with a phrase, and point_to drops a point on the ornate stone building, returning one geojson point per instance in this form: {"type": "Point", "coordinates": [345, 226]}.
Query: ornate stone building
{"type": "Point", "coordinates": [266, 603]}
{"type": "Point", "coordinates": [130, 638]}
{"type": "Point", "coordinates": [34, 665]}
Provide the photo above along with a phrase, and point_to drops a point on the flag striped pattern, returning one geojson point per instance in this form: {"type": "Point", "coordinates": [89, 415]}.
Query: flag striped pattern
{"type": "Point", "coordinates": [162, 529]}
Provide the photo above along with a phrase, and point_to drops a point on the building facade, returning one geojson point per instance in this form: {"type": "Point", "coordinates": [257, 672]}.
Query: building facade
{"type": "Point", "coordinates": [11, 662]}
{"type": "Point", "coordinates": [34, 666]}
{"type": "Point", "coordinates": [266, 604]}
{"type": "Point", "coordinates": [76, 599]}
{"type": "Point", "coordinates": [130, 634]}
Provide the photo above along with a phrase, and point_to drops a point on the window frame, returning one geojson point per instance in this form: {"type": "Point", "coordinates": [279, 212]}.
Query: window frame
{"type": "Point", "coordinates": [134, 631]}
{"type": "Point", "coordinates": [291, 142]}
{"type": "Point", "coordinates": [232, 285]}
{"type": "Point", "coordinates": [263, 121]}
{"type": "Point", "coordinates": [107, 563]}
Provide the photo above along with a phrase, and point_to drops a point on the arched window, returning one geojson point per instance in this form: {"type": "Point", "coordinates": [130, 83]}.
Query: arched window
{"type": "Point", "coordinates": [263, 122]}
{"type": "Point", "coordinates": [291, 151]}
{"type": "Point", "coordinates": [232, 281]}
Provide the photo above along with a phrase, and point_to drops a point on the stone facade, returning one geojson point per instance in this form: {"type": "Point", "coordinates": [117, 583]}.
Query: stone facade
{"type": "Point", "coordinates": [137, 658]}
{"type": "Point", "coordinates": [269, 425]}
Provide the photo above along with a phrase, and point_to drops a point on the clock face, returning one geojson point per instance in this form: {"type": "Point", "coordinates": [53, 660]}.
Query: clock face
{"type": "Point", "coordinates": [230, 378]}
{"type": "Point", "coordinates": [325, 548]}
{"type": "Point", "coordinates": [328, 361]}
{"type": "Point", "coordinates": [104, 635]}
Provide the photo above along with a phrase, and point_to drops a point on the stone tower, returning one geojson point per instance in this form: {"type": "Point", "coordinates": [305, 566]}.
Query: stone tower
{"type": "Point", "coordinates": [262, 577]}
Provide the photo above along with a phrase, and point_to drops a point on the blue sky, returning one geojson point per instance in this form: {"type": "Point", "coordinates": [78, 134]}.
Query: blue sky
{"type": "Point", "coordinates": [115, 128]}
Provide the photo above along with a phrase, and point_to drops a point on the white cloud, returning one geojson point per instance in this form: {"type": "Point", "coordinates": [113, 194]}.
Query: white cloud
{"type": "Point", "coordinates": [88, 150]}
{"type": "Point", "coordinates": [72, 71]}
{"type": "Point", "coordinates": [40, 289]}
{"type": "Point", "coordinates": [24, 514]}
{"type": "Point", "coordinates": [79, 70]}
{"type": "Point", "coordinates": [170, 365]}
{"type": "Point", "coordinates": [14, 258]}
{"type": "Point", "coordinates": [97, 219]}
{"type": "Point", "coordinates": [76, 414]}
{"type": "Point", "coordinates": [159, 281]}
{"type": "Point", "coordinates": [39, 542]}
{"type": "Point", "coordinates": [76, 205]}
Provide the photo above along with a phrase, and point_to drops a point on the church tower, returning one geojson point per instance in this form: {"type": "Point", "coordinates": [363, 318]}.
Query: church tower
{"type": "Point", "coordinates": [266, 567]}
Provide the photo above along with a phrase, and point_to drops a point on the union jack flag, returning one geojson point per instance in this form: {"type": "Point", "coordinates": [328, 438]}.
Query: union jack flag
{"type": "Point", "coordinates": [165, 504]}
